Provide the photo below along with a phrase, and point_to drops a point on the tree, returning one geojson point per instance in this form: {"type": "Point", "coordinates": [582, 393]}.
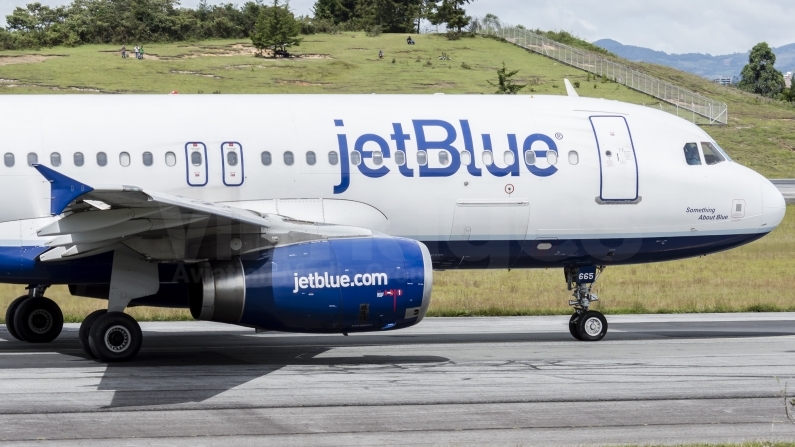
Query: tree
{"type": "Point", "coordinates": [505, 85]}
{"type": "Point", "coordinates": [276, 28]}
{"type": "Point", "coordinates": [392, 16]}
{"type": "Point", "coordinates": [336, 11]}
{"type": "Point", "coordinates": [760, 75]}
{"type": "Point", "coordinates": [451, 13]}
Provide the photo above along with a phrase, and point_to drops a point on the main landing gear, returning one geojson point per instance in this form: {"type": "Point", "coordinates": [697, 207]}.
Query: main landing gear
{"type": "Point", "coordinates": [110, 336]}
{"type": "Point", "coordinates": [107, 336]}
{"type": "Point", "coordinates": [34, 318]}
{"type": "Point", "coordinates": [585, 324]}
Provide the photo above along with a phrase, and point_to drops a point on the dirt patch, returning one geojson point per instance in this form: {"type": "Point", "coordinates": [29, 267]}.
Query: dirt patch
{"type": "Point", "coordinates": [301, 83]}
{"type": "Point", "coordinates": [314, 56]}
{"type": "Point", "coordinates": [357, 49]}
{"type": "Point", "coordinates": [8, 81]}
{"type": "Point", "coordinates": [27, 58]}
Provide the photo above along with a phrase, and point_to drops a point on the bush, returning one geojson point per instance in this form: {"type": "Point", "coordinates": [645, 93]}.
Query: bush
{"type": "Point", "coordinates": [576, 84]}
{"type": "Point", "coordinates": [374, 31]}
{"type": "Point", "coordinates": [465, 66]}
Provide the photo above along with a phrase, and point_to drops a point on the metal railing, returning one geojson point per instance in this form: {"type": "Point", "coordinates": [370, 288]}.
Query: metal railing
{"type": "Point", "coordinates": [681, 102]}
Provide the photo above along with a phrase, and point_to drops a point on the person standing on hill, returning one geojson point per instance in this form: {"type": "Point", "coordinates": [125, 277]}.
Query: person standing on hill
{"type": "Point", "coordinates": [124, 52]}
{"type": "Point", "coordinates": [141, 52]}
{"type": "Point", "coordinates": [135, 50]}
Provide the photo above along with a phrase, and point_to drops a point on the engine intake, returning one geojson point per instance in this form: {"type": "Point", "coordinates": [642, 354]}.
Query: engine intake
{"type": "Point", "coordinates": [221, 294]}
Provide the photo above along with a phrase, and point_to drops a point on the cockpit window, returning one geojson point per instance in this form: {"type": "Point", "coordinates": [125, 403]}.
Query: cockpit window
{"type": "Point", "coordinates": [711, 155]}
{"type": "Point", "coordinates": [721, 151]}
{"type": "Point", "coordinates": [691, 154]}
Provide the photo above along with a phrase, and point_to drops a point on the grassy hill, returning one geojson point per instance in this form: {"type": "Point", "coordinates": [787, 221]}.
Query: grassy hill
{"type": "Point", "coordinates": [760, 135]}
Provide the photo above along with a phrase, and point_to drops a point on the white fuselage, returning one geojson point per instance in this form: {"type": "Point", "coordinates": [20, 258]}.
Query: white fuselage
{"type": "Point", "coordinates": [620, 172]}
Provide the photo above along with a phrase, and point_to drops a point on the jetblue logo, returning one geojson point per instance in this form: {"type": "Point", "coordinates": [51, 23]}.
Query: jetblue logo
{"type": "Point", "coordinates": [455, 139]}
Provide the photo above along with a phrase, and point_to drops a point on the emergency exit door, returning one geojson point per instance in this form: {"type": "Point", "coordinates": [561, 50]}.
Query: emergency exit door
{"type": "Point", "coordinates": [617, 163]}
{"type": "Point", "coordinates": [232, 163]}
{"type": "Point", "coordinates": [196, 163]}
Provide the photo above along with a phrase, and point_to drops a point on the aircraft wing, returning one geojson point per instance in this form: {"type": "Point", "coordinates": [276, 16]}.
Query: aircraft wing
{"type": "Point", "coordinates": [164, 227]}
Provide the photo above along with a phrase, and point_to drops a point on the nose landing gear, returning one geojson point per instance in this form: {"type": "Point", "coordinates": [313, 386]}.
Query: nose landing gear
{"type": "Point", "coordinates": [585, 324]}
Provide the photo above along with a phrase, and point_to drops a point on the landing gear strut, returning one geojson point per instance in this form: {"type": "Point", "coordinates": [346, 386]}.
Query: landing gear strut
{"type": "Point", "coordinates": [34, 318]}
{"type": "Point", "coordinates": [585, 324]}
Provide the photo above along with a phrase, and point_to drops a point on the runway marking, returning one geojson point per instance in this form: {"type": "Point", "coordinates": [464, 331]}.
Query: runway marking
{"type": "Point", "coordinates": [29, 353]}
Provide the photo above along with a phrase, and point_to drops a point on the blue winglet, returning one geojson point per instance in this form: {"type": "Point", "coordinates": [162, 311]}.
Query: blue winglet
{"type": "Point", "coordinates": [63, 189]}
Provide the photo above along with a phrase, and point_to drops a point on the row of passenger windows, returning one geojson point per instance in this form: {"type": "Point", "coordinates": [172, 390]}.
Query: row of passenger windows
{"type": "Point", "coordinates": [102, 159]}
{"type": "Point", "coordinates": [422, 158]}
{"type": "Point", "coordinates": [232, 158]}
{"type": "Point", "coordinates": [712, 154]}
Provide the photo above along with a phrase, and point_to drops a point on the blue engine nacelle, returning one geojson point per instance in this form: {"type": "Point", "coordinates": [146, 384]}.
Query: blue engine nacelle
{"type": "Point", "coordinates": [338, 285]}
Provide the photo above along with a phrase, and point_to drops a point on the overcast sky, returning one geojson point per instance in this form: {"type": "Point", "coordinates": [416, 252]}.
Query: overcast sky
{"type": "Point", "coordinates": [673, 26]}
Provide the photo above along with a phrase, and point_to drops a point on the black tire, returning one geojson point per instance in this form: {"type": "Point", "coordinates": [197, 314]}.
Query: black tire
{"type": "Point", "coordinates": [12, 309]}
{"type": "Point", "coordinates": [573, 325]}
{"type": "Point", "coordinates": [85, 329]}
{"type": "Point", "coordinates": [592, 326]}
{"type": "Point", "coordinates": [115, 337]}
{"type": "Point", "coordinates": [38, 320]}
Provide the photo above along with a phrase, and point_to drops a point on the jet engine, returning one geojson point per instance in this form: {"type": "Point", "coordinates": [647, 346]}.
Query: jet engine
{"type": "Point", "coordinates": [336, 285]}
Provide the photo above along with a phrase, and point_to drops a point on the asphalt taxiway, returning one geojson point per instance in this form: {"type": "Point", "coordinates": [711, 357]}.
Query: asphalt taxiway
{"type": "Point", "coordinates": [469, 381]}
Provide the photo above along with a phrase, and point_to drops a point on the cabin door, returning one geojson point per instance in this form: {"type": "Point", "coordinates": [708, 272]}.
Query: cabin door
{"type": "Point", "coordinates": [617, 162]}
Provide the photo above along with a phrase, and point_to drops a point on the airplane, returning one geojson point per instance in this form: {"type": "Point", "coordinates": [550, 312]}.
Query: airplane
{"type": "Point", "coordinates": [329, 213]}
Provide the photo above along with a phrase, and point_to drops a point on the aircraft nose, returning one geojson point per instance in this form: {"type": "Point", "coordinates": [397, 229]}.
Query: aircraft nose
{"type": "Point", "coordinates": [773, 206]}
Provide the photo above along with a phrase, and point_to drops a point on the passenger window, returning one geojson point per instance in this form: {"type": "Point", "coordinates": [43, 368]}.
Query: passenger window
{"type": "Point", "coordinates": [289, 158]}
{"type": "Point", "coordinates": [124, 159]}
{"type": "Point", "coordinates": [148, 159]}
{"type": "Point", "coordinates": [691, 154]}
{"type": "Point", "coordinates": [356, 158]}
{"type": "Point", "coordinates": [508, 158]}
{"type": "Point", "coordinates": [266, 158]}
{"type": "Point", "coordinates": [33, 159]}
{"type": "Point", "coordinates": [444, 158]}
{"type": "Point", "coordinates": [400, 158]}
{"type": "Point", "coordinates": [333, 158]}
{"type": "Point", "coordinates": [466, 158]}
{"type": "Point", "coordinates": [378, 158]}
{"type": "Point", "coordinates": [231, 158]}
{"type": "Point", "coordinates": [102, 158]}
{"type": "Point", "coordinates": [55, 159]}
{"type": "Point", "coordinates": [171, 159]}
{"type": "Point", "coordinates": [552, 158]}
{"type": "Point", "coordinates": [711, 155]}
{"type": "Point", "coordinates": [311, 159]}
{"type": "Point", "coordinates": [574, 157]}
{"type": "Point", "coordinates": [530, 157]}
{"type": "Point", "coordinates": [79, 159]}
{"type": "Point", "coordinates": [8, 159]}
{"type": "Point", "coordinates": [422, 158]}
{"type": "Point", "coordinates": [196, 158]}
{"type": "Point", "coordinates": [488, 158]}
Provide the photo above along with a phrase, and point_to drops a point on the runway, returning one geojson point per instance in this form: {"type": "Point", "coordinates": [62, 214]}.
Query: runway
{"type": "Point", "coordinates": [468, 381]}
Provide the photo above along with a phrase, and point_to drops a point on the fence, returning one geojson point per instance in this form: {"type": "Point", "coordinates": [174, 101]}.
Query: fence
{"type": "Point", "coordinates": [681, 102]}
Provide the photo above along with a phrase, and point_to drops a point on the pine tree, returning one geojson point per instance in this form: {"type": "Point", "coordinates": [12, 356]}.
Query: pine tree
{"type": "Point", "coordinates": [392, 16]}
{"type": "Point", "coordinates": [505, 85]}
{"type": "Point", "coordinates": [276, 28]}
{"type": "Point", "coordinates": [337, 11]}
{"type": "Point", "coordinates": [451, 13]}
{"type": "Point", "coordinates": [760, 75]}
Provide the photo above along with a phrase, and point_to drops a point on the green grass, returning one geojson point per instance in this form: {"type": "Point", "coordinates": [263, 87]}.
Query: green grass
{"type": "Point", "coordinates": [760, 135]}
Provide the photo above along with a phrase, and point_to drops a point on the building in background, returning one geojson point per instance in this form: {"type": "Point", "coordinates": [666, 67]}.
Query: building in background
{"type": "Point", "coordinates": [788, 79]}
{"type": "Point", "coordinates": [723, 80]}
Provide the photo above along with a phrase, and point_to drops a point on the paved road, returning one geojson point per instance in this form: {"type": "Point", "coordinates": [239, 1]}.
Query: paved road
{"type": "Point", "coordinates": [787, 188]}
{"type": "Point", "coordinates": [474, 381]}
